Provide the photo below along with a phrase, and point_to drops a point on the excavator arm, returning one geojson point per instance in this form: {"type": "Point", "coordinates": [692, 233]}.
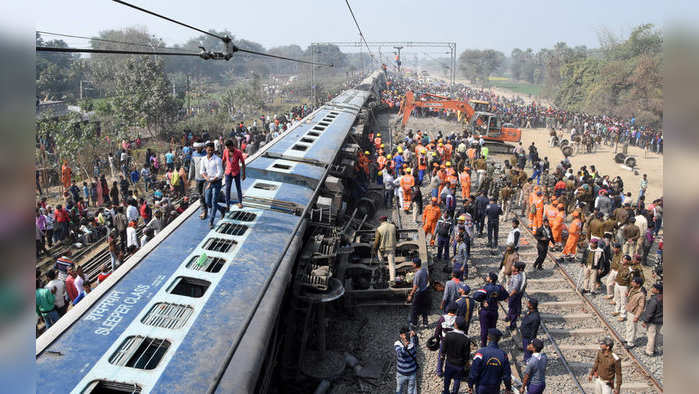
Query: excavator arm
{"type": "Point", "coordinates": [409, 103]}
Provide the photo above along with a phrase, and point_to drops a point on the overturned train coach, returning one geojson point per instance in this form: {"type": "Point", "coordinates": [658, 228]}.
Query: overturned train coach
{"type": "Point", "coordinates": [198, 309]}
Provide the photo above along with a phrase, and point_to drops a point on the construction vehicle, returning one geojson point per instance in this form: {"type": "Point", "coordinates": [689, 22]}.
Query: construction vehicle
{"type": "Point", "coordinates": [479, 122]}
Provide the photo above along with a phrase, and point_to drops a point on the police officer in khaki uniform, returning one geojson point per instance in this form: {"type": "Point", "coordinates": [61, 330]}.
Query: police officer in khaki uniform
{"type": "Point", "coordinates": [614, 266]}
{"type": "Point", "coordinates": [607, 369]}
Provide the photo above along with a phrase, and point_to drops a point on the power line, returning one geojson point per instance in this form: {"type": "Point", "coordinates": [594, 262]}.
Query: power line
{"type": "Point", "coordinates": [238, 49]}
{"type": "Point", "coordinates": [224, 39]}
{"type": "Point", "coordinates": [105, 40]}
{"type": "Point", "coordinates": [117, 51]}
{"type": "Point", "coordinates": [361, 35]}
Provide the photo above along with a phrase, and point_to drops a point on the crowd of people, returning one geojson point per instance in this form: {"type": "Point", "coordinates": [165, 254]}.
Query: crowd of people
{"type": "Point", "coordinates": [590, 218]}
{"type": "Point", "coordinates": [514, 111]}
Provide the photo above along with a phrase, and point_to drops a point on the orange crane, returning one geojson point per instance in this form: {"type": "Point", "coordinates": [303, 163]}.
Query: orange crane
{"type": "Point", "coordinates": [483, 123]}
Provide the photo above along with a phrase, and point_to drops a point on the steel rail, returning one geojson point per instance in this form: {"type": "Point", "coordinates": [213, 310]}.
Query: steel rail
{"type": "Point", "coordinates": [571, 282]}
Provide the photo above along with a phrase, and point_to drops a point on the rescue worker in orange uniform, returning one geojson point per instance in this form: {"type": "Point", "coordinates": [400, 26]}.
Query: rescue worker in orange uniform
{"type": "Point", "coordinates": [448, 150]}
{"type": "Point", "coordinates": [407, 182]}
{"type": "Point", "coordinates": [430, 216]}
{"type": "Point", "coordinates": [557, 225]}
{"type": "Point", "coordinates": [574, 231]}
{"type": "Point", "coordinates": [465, 180]}
{"type": "Point", "coordinates": [421, 164]}
{"type": "Point", "coordinates": [539, 204]}
{"type": "Point", "coordinates": [532, 208]}
{"type": "Point", "coordinates": [442, 175]}
{"type": "Point", "coordinates": [449, 170]}
{"type": "Point", "coordinates": [377, 141]}
{"type": "Point", "coordinates": [364, 162]}
{"type": "Point", "coordinates": [65, 175]}
{"type": "Point", "coordinates": [381, 162]}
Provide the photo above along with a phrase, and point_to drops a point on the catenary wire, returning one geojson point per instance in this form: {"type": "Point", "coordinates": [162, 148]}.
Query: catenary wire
{"type": "Point", "coordinates": [106, 40]}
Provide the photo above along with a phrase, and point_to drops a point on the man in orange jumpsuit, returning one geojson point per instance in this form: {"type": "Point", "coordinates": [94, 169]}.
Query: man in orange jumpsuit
{"type": "Point", "coordinates": [574, 231]}
{"type": "Point", "coordinates": [442, 175]}
{"type": "Point", "coordinates": [430, 216]}
{"type": "Point", "coordinates": [532, 208]}
{"type": "Point", "coordinates": [421, 164]}
{"type": "Point", "coordinates": [448, 149]}
{"type": "Point", "coordinates": [449, 170]}
{"type": "Point", "coordinates": [377, 141]}
{"type": "Point", "coordinates": [465, 180]}
{"type": "Point", "coordinates": [407, 182]}
{"type": "Point", "coordinates": [539, 204]}
{"type": "Point", "coordinates": [381, 162]}
{"type": "Point", "coordinates": [557, 225]}
{"type": "Point", "coordinates": [66, 175]}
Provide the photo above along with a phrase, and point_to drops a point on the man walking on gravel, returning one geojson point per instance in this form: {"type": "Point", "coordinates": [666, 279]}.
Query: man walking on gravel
{"type": "Point", "coordinates": [614, 266]}
{"type": "Point", "coordinates": [385, 243]}
{"type": "Point", "coordinates": [530, 326]}
{"type": "Point", "coordinates": [489, 296]}
{"type": "Point", "coordinates": [635, 306]}
{"type": "Point", "coordinates": [406, 361]}
{"type": "Point", "coordinates": [535, 371]}
{"type": "Point", "coordinates": [454, 354]}
{"type": "Point", "coordinates": [606, 370]}
{"type": "Point", "coordinates": [490, 367]}
{"type": "Point", "coordinates": [543, 236]}
{"type": "Point", "coordinates": [419, 294]}
{"type": "Point", "coordinates": [652, 317]}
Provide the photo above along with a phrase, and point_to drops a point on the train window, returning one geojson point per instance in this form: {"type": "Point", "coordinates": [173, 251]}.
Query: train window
{"type": "Point", "coordinates": [334, 113]}
{"type": "Point", "coordinates": [313, 134]}
{"type": "Point", "coordinates": [241, 215]}
{"type": "Point", "coordinates": [282, 166]}
{"type": "Point", "coordinates": [327, 119]}
{"type": "Point", "coordinates": [308, 140]}
{"type": "Point", "coordinates": [108, 387]}
{"type": "Point", "coordinates": [219, 244]}
{"type": "Point", "coordinates": [189, 287]}
{"type": "Point", "coordinates": [166, 315]}
{"type": "Point", "coordinates": [206, 263]}
{"type": "Point", "coordinates": [140, 352]}
{"type": "Point", "coordinates": [299, 147]}
{"type": "Point", "coordinates": [324, 123]}
{"type": "Point", "coordinates": [232, 229]}
{"type": "Point", "coordinates": [265, 186]}
{"type": "Point", "coordinates": [319, 128]}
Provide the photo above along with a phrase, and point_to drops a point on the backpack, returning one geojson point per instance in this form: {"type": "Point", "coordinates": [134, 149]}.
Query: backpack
{"type": "Point", "coordinates": [443, 228]}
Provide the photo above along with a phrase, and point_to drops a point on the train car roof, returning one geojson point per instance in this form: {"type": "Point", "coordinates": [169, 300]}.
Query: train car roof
{"type": "Point", "coordinates": [130, 310]}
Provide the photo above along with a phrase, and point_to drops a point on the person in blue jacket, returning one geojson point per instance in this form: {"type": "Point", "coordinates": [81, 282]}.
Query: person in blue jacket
{"type": "Point", "coordinates": [490, 367]}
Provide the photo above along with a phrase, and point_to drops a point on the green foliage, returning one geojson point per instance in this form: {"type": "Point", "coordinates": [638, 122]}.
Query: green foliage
{"type": "Point", "coordinates": [143, 95]}
{"type": "Point", "coordinates": [57, 74]}
{"type": "Point", "coordinates": [477, 65]}
{"type": "Point", "coordinates": [76, 141]}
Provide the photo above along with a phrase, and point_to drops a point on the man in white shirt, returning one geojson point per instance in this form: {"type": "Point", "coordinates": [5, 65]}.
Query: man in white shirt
{"type": "Point", "coordinates": [60, 292]}
{"type": "Point", "coordinates": [212, 171]}
{"type": "Point", "coordinates": [513, 236]}
{"type": "Point", "coordinates": [132, 212]}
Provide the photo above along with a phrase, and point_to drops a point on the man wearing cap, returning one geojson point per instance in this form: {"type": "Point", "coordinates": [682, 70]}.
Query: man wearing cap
{"type": "Point", "coordinates": [623, 279]}
{"type": "Point", "coordinates": [490, 367]}
{"type": "Point", "coordinates": [595, 227]}
{"type": "Point", "coordinates": [385, 243]}
{"type": "Point", "coordinates": [493, 212]}
{"type": "Point", "coordinates": [530, 326]}
{"type": "Point", "coordinates": [489, 296]}
{"type": "Point", "coordinates": [607, 369]}
{"type": "Point", "coordinates": [465, 181]}
{"type": "Point", "coordinates": [635, 305]}
{"type": "Point", "coordinates": [652, 317]}
{"type": "Point", "coordinates": [630, 232]}
{"type": "Point", "coordinates": [515, 287]}
{"type": "Point", "coordinates": [461, 255]}
{"type": "Point", "coordinates": [591, 260]}
{"type": "Point", "coordinates": [614, 265]}
{"type": "Point", "coordinates": [454, 353]}
{"type": "Point", "coordinates": [465, 304]}
{"type": "Point", "coordinates": [419, 294]}
{"type": "Point", "coordinates": [543, 236]}
{"type": "Point", "coordinates": [535, 371]}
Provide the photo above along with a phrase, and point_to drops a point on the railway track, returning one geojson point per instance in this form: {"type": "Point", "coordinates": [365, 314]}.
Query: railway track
{"type": "Point", "coordinates": [572, 325]}
{"type": "Point", "coordinates": [91, 266]}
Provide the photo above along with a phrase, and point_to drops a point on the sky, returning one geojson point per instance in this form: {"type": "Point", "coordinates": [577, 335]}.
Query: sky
{"type": "Point", "coordinates": [500, 25]}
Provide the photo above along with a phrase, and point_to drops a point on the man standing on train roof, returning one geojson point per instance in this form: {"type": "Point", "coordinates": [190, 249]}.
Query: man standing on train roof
{"type": "Point", "coordinates": [490, 367]}
{"type": "Point", "coordinates": [235, 170]}
{"type": "Point", "coordinates": [212, 171]}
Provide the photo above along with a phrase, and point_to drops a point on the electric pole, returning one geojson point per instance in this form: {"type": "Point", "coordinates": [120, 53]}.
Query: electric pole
{"type": "Point", "coordinates": [398, 56]}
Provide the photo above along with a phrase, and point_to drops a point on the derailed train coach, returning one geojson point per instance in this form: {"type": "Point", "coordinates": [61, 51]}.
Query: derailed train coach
{"type": "Point", "coordinates": [198, 309]}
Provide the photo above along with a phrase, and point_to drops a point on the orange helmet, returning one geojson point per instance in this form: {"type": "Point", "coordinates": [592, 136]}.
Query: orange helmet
{"type": "Point", "coordinates": [576, 214]}
{"type": "Point", "coordinates": [434, 199]}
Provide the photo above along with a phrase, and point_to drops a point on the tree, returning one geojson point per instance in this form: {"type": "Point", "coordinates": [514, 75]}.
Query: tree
{"type": "Point", "coordinates": [144, 94]}
{"type": "Point", "coordinates": [57, 74]}
{"type": "Point", "coordinates": [477, 65]}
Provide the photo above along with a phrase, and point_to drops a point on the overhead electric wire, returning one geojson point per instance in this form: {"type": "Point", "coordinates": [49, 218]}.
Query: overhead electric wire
{"type": "Point", "coordinates": [109, 41]}
{"type": "Point", "coordinates": [282, 57]}
{"type": "Point", "coordinates": [224, 39]}
{"type": "Point", "coordinates": [361, 35]}
{"type": "Point", "coordinates": [227, 40]}
{"type": "Point", "coordinates": [113, 51]}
